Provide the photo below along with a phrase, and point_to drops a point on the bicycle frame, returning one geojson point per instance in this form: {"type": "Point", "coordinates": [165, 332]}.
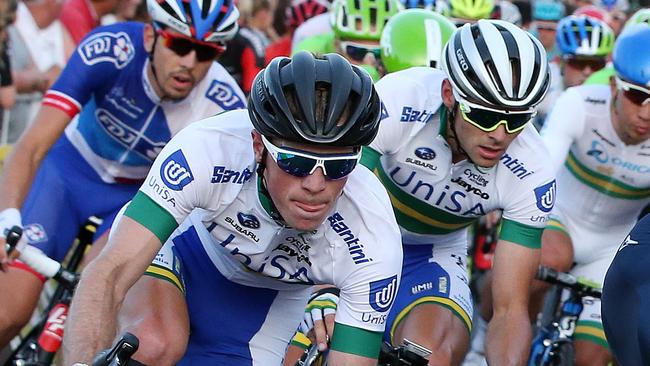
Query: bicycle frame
{"type": "Point", "coordinates": [43, 341]}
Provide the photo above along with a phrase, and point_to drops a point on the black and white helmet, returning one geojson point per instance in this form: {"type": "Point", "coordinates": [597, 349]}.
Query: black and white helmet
{"type": "Point", "coordinates": [497, 64]}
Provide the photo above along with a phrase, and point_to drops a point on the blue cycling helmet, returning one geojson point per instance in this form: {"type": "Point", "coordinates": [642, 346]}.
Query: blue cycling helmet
{"type": "Point", "coordinates": [584, 36]}
{"type": "Point", "coordinates": [631, 57]}
{"type": "Point", "coordinates": [205, 20]}
{"type": "Point", "coordinates": [551, 10]}
{"type": "Point", "coordinates": [421, 4]}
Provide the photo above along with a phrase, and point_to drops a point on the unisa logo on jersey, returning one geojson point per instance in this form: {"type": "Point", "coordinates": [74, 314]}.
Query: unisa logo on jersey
{"type": "Point", "coordinates": [545, 196]}
{"type": "Point", "coordinates": [116, 48]}
{"type": "Point", "coordinates": [382, 293]}
{"type": "Point", "coordinates": [175, 172]}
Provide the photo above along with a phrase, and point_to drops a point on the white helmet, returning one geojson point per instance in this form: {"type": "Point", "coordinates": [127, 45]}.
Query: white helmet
{"type": "Point", "coordinates": [205, 20]}
{"type": "Point", "coordinates": [498, 65]}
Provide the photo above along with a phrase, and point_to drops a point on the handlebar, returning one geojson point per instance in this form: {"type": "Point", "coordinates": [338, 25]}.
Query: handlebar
{"type": "Point", "coordinates": [40, 262]}
{"type": "Point", "coordinates": [121, 352]}
{"type": "Point", "coordinates": [567, 280]}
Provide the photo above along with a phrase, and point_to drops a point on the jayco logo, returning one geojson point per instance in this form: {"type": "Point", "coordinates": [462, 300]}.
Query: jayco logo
{"type": "Point", "coordinates": [545, 196]}
{"type": "Point", "coordinates": [175, 171]}
{"type": "Point", "coordinates": [224, 95]}
{"type": "Point", "coordinates": [382, 293]}
{"type": "Point", "coordinates": [116, 48]}
{"type": "Point", "coordinates": [469, 188]}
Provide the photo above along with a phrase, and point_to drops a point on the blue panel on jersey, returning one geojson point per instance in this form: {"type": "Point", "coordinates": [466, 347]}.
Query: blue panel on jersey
{"type": "Point", "coordinates": [224, 316]}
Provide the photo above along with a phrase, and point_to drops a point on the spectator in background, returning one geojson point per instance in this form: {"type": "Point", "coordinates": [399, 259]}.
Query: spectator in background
{"type": "Point", "coordinates": [296, 14]}
{"type": "Point", "coordinates": [318, 25]}
{"type": "Point", "coordinates": [80, 16]}
{"type": "Point", "coordinates": [40, 48]}
{"type": "Point", "coordinates": [244, 57]}
{"type": "Point", "coordinates": [7, 90]}
{"type": "Point", "coordinates": [127, 10]}
{"type": "Point", "coordinates": [526, 11]}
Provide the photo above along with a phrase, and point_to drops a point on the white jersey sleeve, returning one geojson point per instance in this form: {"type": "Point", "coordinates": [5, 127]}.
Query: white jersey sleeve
{"type": "Point", "coordinates": [564, 125]}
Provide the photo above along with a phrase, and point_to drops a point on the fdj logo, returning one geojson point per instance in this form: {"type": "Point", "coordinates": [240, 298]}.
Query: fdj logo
{"type": "Point", "coordinates": [224, 95]}
{"type": "Point", "coordinates": [598, 152]}
{"type": "Point", "coordinates": [249, 221]}
{"type": "Point", "coordinates": [545, 196]}
{"type": "Point", "coordinates": [175, 171]}
{"type": "Point", "coordinates": [116, 48]}
{"type": "Point", "coordinates": [382, 293]}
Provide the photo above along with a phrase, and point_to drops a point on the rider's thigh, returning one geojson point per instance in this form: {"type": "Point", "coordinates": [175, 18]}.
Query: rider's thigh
{"type": "Point", "coordinates": [155, 311]}
{"type": "Point", "coordinates": [557, 250]}
{"type": "Point", "coordinates": [19, 292]}
{"type": "Point", "coordinates": [438, 329]}
{"type": "Point", "coordinates": [591, 354]}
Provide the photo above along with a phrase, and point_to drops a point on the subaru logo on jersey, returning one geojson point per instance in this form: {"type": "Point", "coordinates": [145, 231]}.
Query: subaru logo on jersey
{"type": "Point", "coordinates": [248, 220]}
{"type": "Point", "coordinates": [35, 233]}
{"type": "Point", "coordinates": [382, 293]}
{"type": "Point", "coordinates": [116, 48]}
{"type": "Point", "coordinates": [425, 153]}
{"type": "Point", "coordinates": [175, 171]}
{"type": "Point", "coordinates": [224, 95]}
{"type": "Point", "coordinates": [545, 196]}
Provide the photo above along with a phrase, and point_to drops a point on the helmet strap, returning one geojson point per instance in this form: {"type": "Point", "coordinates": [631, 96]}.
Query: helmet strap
{"type": "Point", "coordinates": [153, 67]}
{"type": "Point", "coordinates": [452, 129]}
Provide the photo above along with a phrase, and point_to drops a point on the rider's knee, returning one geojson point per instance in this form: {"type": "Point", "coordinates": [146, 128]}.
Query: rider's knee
{"type": "Point", "coordinates": [158, 347]}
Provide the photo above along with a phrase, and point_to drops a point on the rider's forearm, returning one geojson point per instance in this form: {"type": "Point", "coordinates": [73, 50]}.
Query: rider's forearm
{"type": "Point", "coordinates": [21, 165]}
{"type": "Point", "coordinates": [92, 320]}
{"type": "Point", "coordinates": [508, 338]}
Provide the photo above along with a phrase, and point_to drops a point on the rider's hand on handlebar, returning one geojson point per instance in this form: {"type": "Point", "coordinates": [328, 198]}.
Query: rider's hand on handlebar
{"type": "Point", "coordinates": [9, 218]}
{"type": "Point", "coordinates": [318, 322]}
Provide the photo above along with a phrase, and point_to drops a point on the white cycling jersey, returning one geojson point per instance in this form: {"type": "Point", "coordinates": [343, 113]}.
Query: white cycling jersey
{"type": "Point", "coordinates": [603, 184]}
{"type": "Point", "coordinates": [435, 200]}
{"type": "Point", "coordinates": [209, 170]}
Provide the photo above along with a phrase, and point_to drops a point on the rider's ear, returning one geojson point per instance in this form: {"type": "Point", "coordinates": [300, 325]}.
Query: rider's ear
{"type": "Point", "coordinates": [148, 36]}
{"type": "Point", "coordinates": [447, 94]}
{"type": "Point", "coordinates": [258, 146]}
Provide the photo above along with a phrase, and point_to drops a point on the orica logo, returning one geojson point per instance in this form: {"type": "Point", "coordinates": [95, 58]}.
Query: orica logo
{"type": "Point", "coordinates": [116, 48]}
{"type": "Point", "coordinates": [425, 153]}
{"type": "Point", "coordinates": [248, 220]}
{"type": "Point", "coordinates": [224, 95]}
{"type": "Point", "coordinates": [545, 196]}
{"type": "Point", "coordinates": [175, 172]}
{"type": "Point", "coordinates": [382, 293]}
{"type": "Point", "coordinates": [598, 152]}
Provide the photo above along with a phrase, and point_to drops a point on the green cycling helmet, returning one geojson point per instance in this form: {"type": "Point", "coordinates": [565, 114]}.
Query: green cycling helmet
{"type": "Point", "coordinates": [640, 17]}
{"type": "Point", "coordinates": [414, 37]}
{"type": "Point", "coordinates": [469, 9]}
{"type": "Point", "coordinates": [362, 19]}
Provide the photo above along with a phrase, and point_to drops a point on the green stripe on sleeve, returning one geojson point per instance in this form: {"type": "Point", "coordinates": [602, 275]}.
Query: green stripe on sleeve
{"type": "Point", "coordinates": [521, 234]}
{"type": "Point", "coordinates": [370, 157]}
{"type": "Point", "coordinates": [155, 218]}
{"type": "Point", "coordinates": [356, 341]}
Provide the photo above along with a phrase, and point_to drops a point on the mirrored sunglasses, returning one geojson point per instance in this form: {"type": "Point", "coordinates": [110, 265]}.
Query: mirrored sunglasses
{"type": "Point", "coordinates": [488, 120]}
{"type": "Point", "coordinates": [594, 64]}
{"type": "Point", "coordinates": [358, 51]}
{"type": "Point", "coordinates": [301, 164]}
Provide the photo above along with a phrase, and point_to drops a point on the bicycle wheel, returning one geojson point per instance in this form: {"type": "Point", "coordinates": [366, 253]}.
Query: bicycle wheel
{"type": "Point", "coordinates": [564, 356]}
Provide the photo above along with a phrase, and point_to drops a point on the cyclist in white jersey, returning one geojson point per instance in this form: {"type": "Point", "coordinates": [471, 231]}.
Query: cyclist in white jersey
{"type": "Point", "coordinates": [125, 91]}
{"type": "Point", "coordinates": [451, 147]}
{"type": "Point", "coordinates": [252, 215]}
{"type": "Point", "coordinates": [599, 140]}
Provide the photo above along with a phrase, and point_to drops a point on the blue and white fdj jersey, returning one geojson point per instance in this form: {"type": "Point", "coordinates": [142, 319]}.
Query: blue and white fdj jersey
{"type": "Point", "coordinates": [205, 180]}
{"type": "Point", "coordinates": [120, 124]}
{"type": "Point", "coordinates": [435, 200]}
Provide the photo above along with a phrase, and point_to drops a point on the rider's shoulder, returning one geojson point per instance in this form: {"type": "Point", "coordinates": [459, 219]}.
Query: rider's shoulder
{"type": "Point", "coordinates": [367, 198]}
{"type": "Point", "coordinates": [117, 44]}
{"type": "Point", "coordinates": [592, 96]}
{"type": "Point", "coordinates": [421, 80]}
{"type": "Point", "coordinates": [526, 159]}
{"type": "Point", "coordinates": [220, 88]}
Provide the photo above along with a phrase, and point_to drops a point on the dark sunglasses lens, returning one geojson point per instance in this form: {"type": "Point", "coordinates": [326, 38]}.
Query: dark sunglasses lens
{"type": "Point", "coordinates": [337, 169]}
{"type": "Point", "coordinates": [636, 96]}
{"type": "Point", "coordinates": [298, 166]}
{"type": "Point", "coordinates": [356, 53]}
{"type": "Point", "coordinates": [182, 47]}
{"type": "Point", "coordinates": [206, 53]}
{"type": "Point", "coordinates": [579, 64]}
